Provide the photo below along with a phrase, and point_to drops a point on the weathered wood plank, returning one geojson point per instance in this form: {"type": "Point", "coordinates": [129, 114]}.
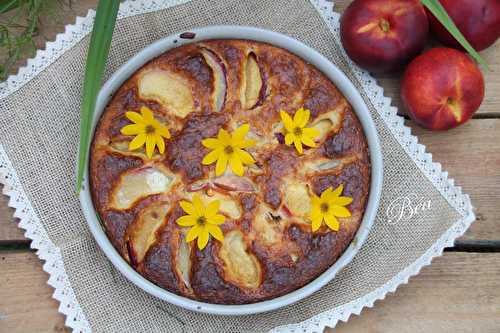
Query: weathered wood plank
{"type": "Point", "coordinates": [8, 224]}
{"type": "Point", "coordinates": [459, 292]}
{"type": "Point", "coordinates": [471, 155]}
{"type": "Point", "coordinates": [26, 304]}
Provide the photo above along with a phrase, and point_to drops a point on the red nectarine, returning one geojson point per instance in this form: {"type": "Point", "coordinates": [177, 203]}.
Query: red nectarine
{"type": "Point", "coordinates": [442, 88]}
{"type": "Point", "coordinates": [383, 35]}
{"type": "Point", "coordinates": [477, 20]}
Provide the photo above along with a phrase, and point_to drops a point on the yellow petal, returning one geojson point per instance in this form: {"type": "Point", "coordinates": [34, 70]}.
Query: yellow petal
{"type": "Point", "coordinates": [133, 129]}
{"type": "Point", "coordinates": [193, 233]}
{"type": "Point", "coordinates": [240, 133]}
{"type": "Point", "coordinates": [307, 141]}
{"type": "Point", "coordinates": [134, 117]}
{"type": "Point", "coordinates": [289, 137]}
{"type": "Point", "coordinates": [246, 143]}
{"type": "Point", "coordinates": [298, 146]}
{"type": "Point", "coordinates": [211, 157]}
{"type": "Point", "coordinates": [342, 201]}
{"type": "Point", "coordinates": [215, 231]}
{"type": "Point", "coordinates": [147, 115]}
{"type": "Point", "coordinates": [221, 165]}
{"type": "Point", "coordinates": [198, 204]}
{"type": "Point", "coordinates": [316, 201]}
{"type": "Point", "coordinates": [217, 219]}
{"type": "Point", "coordinates": [186, 221]}
{"type": "Point", "coordinates": [316, 222]}
{"type": "Point", "coordinates": [188, 207]}
{"type": "Point", "coordinates": [306, 114]}
{"type": "Point", "coordinates": [160, 143]}
{"type": "Point", "coordinates": [340, 211]}
{"type": "Point", "coordinates": [203, 238]}
{"type": "Point", "coordinates": [211, 143]}
{"type": "Point", "coordinates": [332, 222]}
{"type": "Point", "coordinates": [245, 157]}
{"type": "Point", "coordinates": [137, 142]}
{"type": "Point", "coordinates": [338, 190]}
{"type": "Point", "coordinates": [287, 121]}
{"type": "Point", "coordinates": [326, 195]}
{"type": "Point", "coordinates": [224, 137]}
{"type": "Point", "coordinates": [311, 132]}
{"type": "Point", "coordinates": [301, 117]}
{"type": "Point", "coordinates": [236, 165]}
{"type": "Point", "coordinates": [212, 209]}
{"type": "Point", "coordinates": [163, 131]}
{"type": "Point", "coordinates": [150, 145]}
{"type": "Point", "coordinates": [315, 212]}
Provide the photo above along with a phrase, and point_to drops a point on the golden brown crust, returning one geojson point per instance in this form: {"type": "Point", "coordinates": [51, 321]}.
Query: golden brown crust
{"type": "Point", "coordinates": [269, 249]}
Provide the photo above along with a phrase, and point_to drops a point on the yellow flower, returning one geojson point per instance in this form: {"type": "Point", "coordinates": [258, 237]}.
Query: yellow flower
{"type": "Point", "coordinates": [295, 131]}
{"type": "Point", "coordinates": [328, 207]}
{"type": "Point", "coordinates": [204, 221]}
{"type": "Point", "coordinates": [228, 148]}
{"type": "Point", "coordinates": [147, 130]}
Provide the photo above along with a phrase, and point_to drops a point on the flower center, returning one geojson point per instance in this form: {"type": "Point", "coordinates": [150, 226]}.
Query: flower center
{"type": "Point", "coordinates": [297, 131]}
{"type": "Point", "coordinates": [324, 207]}
{"type": "Point", "coordinates": [150, 129]}
{"type": "Point", "coordinates": [229, 150]}
{"type": "Point", "coordinates": [201, 220]}
{"type": "Point", "coordinates": [384, 25]}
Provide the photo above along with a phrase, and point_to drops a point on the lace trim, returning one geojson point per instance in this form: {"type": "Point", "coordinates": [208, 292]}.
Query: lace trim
{"type": "Point", "coordinates": [47, 251]}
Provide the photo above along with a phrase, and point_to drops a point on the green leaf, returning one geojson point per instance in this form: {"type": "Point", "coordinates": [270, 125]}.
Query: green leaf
{"type": "Point", "coordinates": [442, 16]}
{"type": "Point", "coordinates": [100, 42]}
{"type": "Point", "coordinates": [7, 5]}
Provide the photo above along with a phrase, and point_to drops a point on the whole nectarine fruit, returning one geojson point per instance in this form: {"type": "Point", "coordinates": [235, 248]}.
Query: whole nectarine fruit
{"type": "Point", "coordinates": [383, 35]}
{"type": "Point", "coordinates": [442, 88]}
{"type": "Point", "coordinates": [477, 20]}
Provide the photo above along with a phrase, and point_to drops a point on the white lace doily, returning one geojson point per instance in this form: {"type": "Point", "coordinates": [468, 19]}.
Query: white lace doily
{"type": "Point", "coordinates": [47, 251]}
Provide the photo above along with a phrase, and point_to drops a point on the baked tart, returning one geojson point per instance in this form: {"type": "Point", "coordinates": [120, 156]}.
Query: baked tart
{"type": "Point", "coordinates": [229, 171]}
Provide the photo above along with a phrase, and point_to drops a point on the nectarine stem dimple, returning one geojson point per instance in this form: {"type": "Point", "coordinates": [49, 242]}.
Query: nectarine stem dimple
{"type": "Point", "coordinates": [453, 107]}
{"type": "Point", "coordinates": [384, 25]}
{"type": "Point", "coordinates": [452, 103]}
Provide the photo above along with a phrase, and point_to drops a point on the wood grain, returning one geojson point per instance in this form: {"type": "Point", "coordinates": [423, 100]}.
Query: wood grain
{"type": "Point", "coordinates": [8, 224]}
{"type": "Point", "coordinates": [26, 304]}
{"type": "Point", "coordinates": [457, 293]}
{"type": "Point", "coordinates": [471, 155]}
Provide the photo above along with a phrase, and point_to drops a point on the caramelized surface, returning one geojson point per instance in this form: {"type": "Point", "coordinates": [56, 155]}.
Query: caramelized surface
{"type": "Point", "coordinates": [269, 249]}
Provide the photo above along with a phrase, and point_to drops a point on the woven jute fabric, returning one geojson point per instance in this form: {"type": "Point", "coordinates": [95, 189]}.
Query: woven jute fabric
{"type": "Point", "coordinates": [39, 126]}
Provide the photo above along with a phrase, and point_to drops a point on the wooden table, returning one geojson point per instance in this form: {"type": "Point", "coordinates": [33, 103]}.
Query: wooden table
{"type": "Point", "coordinates": [459, 292]}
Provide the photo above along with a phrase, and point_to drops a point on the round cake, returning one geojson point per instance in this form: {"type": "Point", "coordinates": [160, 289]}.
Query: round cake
{"type": "Point", "coordinates": [229, 171]}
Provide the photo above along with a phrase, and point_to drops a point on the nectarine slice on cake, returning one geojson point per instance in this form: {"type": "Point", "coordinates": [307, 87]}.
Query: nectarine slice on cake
{"type": "Point", "coordinates": [220, 80]}
{"type": "Point", "coordinates": [143, 231]}
{"type": "Point", "coordinates": [137, 184]}
{"type": "Point", "coordinates": [240, 266]}
{"type": "Point", "coordinates": [169, 89]}
{"type": "Point", "coordinates": [252, 83]}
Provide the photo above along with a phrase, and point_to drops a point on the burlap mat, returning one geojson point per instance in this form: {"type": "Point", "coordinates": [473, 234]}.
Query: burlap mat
{"type": "Point", "coordinates": [420, 211]}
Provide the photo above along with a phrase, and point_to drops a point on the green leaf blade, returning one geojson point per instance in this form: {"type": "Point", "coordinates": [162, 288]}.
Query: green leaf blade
{"type": "Point", "coordinates": [435, 7]}
{"type": "Point", "coordinates": [7, 5]}
{"type": "Point", "coordinates": [100, 42]}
